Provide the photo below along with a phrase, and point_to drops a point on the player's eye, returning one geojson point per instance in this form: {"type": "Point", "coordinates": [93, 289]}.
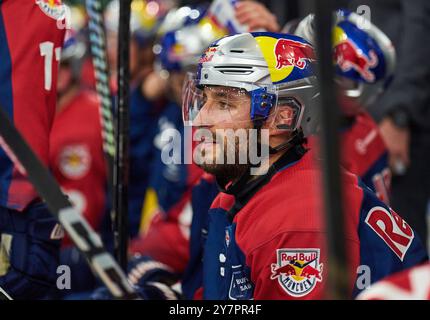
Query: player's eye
{"type": "Point", "coordinates": [223, 105]}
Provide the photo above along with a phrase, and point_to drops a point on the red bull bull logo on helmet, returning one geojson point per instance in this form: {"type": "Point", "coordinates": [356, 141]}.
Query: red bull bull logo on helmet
{"type": "Point", "coordinates": [52, 8]}
{"type": "Point", "coordinates": [288, 57]}
{"type": "Point", "coordinates": [348, 56]}
{"type": "Point", "coordinates": [292, 53]}
{"type": "Point", "coordinates": [298, 271]}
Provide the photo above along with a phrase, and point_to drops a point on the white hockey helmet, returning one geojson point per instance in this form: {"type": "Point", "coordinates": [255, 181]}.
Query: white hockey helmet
{"type": "Point", "coordinates": [271, 69]}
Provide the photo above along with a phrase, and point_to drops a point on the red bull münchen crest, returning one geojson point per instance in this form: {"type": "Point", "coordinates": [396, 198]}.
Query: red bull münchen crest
{"type": "Point", "coordinates": [52, 8]}
{"type": "Point", "coordinates": [298, 270]}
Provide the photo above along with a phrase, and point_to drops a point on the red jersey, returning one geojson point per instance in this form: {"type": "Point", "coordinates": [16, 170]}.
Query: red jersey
{"type": "Point", "coordinates": [411, 284]}
{"type": "Point", "coordinates": [31, 38]}
{"type": "Point", "coordinates": [268, 241]}
{"type": "Point", "coordinates": [76, 155]}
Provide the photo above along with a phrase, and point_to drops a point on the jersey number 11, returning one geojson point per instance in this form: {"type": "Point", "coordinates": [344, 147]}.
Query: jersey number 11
{"type": "Point", "coordinates": [47, 51]}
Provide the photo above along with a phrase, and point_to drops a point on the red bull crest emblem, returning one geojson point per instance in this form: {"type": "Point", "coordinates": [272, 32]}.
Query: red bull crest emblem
{"type": "Point", "coordinates": [298, 270]}
{"type": "Point", "coordinates": [349, 57]}
{"type": "Point", "coordinates": [52, 8]}
{"type": "Point", "coordinates": [292, 53]}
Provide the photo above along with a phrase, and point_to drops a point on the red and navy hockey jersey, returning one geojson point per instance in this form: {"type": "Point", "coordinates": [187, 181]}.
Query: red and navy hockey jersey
{"type": "Point", "coordinates": [31, 38]}
{"type": "Point", "coordinates": [274, 246]}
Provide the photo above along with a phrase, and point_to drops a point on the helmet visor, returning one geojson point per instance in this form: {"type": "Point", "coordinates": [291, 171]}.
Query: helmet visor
{"type": "Point", "coordinates": [214, 105]}
{"type": "Point", "coordinates": [231, 105]}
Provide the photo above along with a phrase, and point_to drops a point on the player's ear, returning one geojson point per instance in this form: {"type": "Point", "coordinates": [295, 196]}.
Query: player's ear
{"type": "Point", "coordinates": [279, 120]}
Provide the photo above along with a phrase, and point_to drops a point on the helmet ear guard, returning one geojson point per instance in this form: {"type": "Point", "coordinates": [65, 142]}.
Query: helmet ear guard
{"type": "Point", "coordinates": [289, 114]}
{"type": "Point", "coordinates": [282, 113]}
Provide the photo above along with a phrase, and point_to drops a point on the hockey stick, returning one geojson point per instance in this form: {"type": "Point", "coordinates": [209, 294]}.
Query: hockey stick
{"type": "Point", "coordinates": [338, 282]}
{"type": "Point", "coordinates": [98, 50]}
{"type": "Point", "coordinates": [81, 233]}
{"type": "Point", "coordinates": [113, 143]}
{"type": "Point", "coordinates": [101, 72]}
{"type": "Point", "coordinates": [120, 199]}
{"type": "Point", "coordinates": [4, 295]}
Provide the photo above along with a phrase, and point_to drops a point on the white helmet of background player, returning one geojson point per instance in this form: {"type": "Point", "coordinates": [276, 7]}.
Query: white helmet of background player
{"type": "Point", "coordinates": [364, 57]}
{"type": "Point", "coordinates": [274, 70]}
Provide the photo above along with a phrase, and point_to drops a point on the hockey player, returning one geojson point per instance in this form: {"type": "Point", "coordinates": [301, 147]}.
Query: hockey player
{"type": "Point", "coordinates": [364, 62]}
{"type": "Point", "coordinates": [76, 155]}
{"type": "Point", "coordinates": [31, 38]}
{"type": "Point", "coordinates": [263, 243]}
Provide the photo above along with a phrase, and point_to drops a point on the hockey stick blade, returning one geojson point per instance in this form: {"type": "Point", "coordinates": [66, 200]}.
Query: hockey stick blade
{"type": "Point", "coordinates": [81, 233]}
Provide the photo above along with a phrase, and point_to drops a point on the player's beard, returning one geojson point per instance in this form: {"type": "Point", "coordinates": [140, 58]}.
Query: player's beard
{"type": "Point", "coordinates": [226, 171]}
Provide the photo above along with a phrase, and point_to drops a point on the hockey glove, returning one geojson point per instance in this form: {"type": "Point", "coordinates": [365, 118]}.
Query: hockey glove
{"type": "Point", "coordinates": [29, 251]}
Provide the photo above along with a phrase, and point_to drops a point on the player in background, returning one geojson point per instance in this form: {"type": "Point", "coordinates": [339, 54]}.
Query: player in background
{"type": "Point", "coordinates": [31, 38]}
{"type": "Point", "coordinates": [76, 155]}
{"type": "Point", "coordinates": [263, 243]}
{"type": "Point", "coordinates": [364, 60]}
